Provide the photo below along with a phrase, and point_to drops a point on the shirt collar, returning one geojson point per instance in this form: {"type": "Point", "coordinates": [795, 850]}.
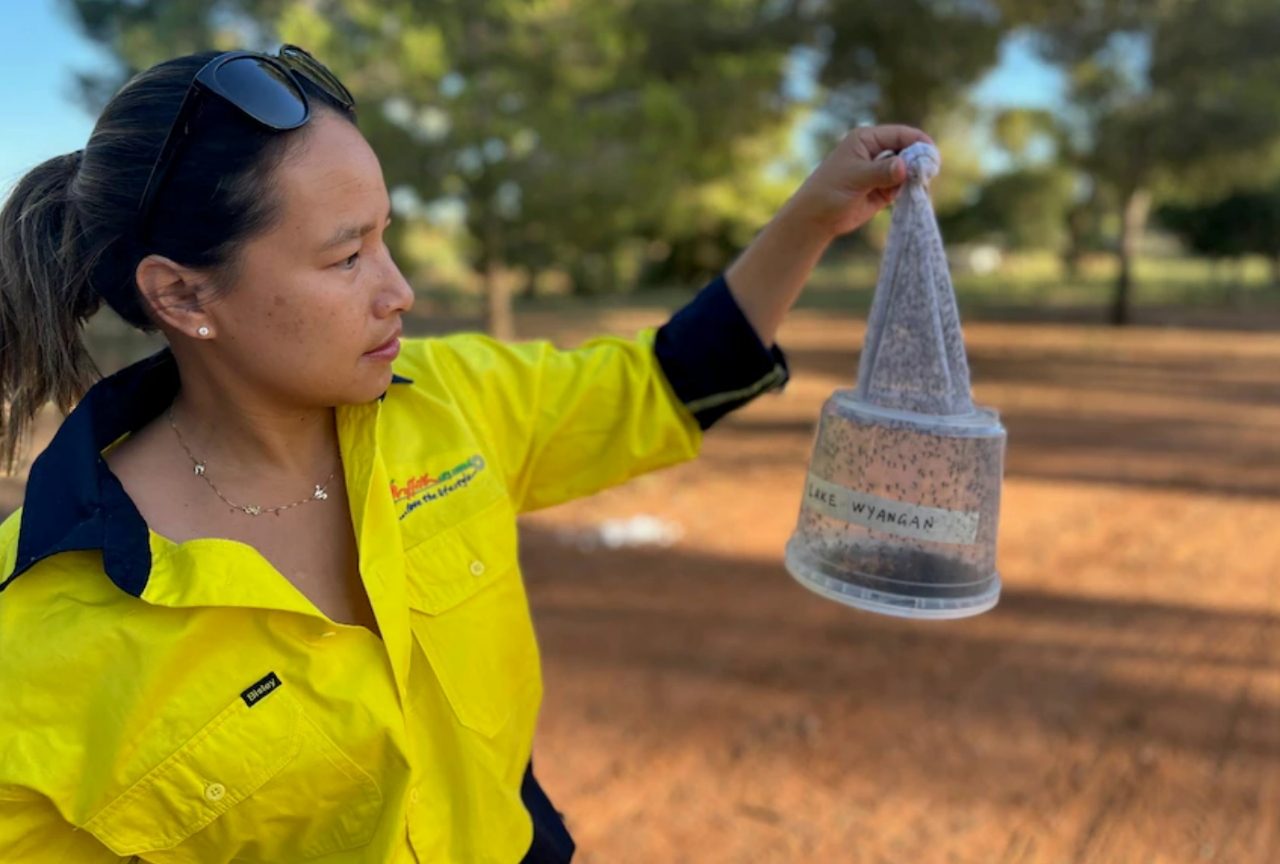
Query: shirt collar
{"type": "Point", "coordinates": [73, 502]}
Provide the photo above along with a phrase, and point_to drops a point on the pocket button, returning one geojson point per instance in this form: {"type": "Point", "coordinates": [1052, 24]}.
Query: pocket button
{"type": "Point", "coordinates": [477, 568]}
{"type": "Point", "coordinates": [215, 792]}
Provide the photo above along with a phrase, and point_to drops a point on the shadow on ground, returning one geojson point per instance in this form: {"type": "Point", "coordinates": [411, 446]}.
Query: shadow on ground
{"type": "Point", "coordinates": [1073, 665]}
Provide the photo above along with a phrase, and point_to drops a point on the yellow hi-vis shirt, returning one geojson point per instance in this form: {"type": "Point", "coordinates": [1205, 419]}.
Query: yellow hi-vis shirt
{"type": "Point", "coordinates": [185, 704]}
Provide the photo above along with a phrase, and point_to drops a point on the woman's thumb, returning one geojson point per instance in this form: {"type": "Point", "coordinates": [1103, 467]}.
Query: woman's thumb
{"type": "Point", "coordinates": [881, 173]}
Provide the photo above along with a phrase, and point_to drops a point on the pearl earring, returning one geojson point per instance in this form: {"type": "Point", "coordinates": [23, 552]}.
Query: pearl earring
{"type": "Point", "coordinates": [203, 331]}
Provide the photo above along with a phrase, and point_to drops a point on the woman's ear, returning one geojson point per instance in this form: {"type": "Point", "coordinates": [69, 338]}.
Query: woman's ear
{"type": "Point", "coordinates": [175, 295]}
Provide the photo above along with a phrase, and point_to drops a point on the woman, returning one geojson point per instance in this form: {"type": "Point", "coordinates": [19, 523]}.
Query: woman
{"type": "Point", "coordinates": [262, 602]}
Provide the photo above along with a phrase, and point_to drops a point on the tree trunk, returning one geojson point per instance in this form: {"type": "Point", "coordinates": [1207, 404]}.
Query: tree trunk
{"type": "Point", "coordinates": [499, 321]}
{"type": "Point", "coordinates": [1137, 207]}
{"type": "Point", "coordinates": [1071, 264]}
{"type": "Point", "coordinates": [1236, 288]}
{"type": "Point", "coordinates": [530, 287]}
{"type": "Point", "coordinates": [1075, 244]}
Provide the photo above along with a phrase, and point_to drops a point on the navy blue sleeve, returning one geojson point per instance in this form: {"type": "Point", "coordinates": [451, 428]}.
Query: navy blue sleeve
{"type": "Point", "coordinates": [714, 358]}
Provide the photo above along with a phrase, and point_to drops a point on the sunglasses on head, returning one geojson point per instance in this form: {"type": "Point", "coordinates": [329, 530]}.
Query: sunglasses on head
{"type": "Point", "coordinates": [266, 88]}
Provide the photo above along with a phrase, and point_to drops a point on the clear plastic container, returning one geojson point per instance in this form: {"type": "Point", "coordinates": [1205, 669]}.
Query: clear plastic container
{"type": "Point", "coordinates": [900, 512]}
{"type": "Point", "coordinates": [902, 503]}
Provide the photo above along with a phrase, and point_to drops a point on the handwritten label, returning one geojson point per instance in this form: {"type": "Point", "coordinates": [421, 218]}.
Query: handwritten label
{"type": "Point", "coordinates": [892, 517]}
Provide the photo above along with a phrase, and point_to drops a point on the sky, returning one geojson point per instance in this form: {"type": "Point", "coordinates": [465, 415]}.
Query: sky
{"type": "Point", "coordinates": [40, 50]}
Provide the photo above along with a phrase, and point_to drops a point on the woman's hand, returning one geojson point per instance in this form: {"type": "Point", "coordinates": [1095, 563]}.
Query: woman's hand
{"type": "Point", "coordinates": [847, 189]}
{"type": "Point", "coordinates": [853, 183]}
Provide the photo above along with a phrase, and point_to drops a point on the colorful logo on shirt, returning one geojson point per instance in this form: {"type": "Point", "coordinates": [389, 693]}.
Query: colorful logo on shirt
{"type": "Point", "coordinates": [428, 487]}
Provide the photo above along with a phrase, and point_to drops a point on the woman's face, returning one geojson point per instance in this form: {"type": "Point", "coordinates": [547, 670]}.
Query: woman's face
{"type": "Point", "coordinates": [314, 315]}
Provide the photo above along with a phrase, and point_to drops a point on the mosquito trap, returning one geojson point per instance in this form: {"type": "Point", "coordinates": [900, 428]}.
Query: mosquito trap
{"type": "Point", "coordinates": [902, 500]}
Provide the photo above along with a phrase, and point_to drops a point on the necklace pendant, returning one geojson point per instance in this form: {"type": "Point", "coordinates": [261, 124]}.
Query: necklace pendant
{"type": "Point", "coordinates": [199, 469]}
{"type": "Point", "coordinates": [319, 494]}
{"type": "Point", "coordinates": [252, 511]}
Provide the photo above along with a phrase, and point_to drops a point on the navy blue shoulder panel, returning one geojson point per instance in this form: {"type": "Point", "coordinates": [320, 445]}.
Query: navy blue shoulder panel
{"type": "Point", "coordinates": [73, 502]}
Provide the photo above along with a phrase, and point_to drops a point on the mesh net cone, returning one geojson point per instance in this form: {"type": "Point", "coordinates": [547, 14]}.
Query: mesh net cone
{"type": "Point", "coordinates": [913, 358]}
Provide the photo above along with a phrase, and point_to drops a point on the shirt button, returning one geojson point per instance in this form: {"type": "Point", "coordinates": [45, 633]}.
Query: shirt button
{"type": "Point", "coordinates": [413, 796]}
{"type": "Point", "coordinates": [477, 568]}
{"type": "Point", "coordinates": [215, 792]}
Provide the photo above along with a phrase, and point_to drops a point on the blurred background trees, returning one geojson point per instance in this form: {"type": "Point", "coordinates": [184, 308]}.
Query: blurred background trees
{"type": "Point", "coordinates": [595, 146]}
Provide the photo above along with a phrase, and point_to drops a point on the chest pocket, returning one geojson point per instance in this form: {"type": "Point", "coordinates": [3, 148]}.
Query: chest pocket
{"type": "Point", "coordinates": [260, 784]}
{"type": "Point", "coordinates": [470, 616]}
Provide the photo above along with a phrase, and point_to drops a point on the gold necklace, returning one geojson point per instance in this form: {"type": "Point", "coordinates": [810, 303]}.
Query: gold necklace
{"type": "Point", "coordinates": [318, 495]}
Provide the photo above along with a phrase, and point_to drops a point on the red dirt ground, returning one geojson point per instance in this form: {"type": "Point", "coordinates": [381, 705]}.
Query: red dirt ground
{"type": "Point", "coordinates": [1121, 705]}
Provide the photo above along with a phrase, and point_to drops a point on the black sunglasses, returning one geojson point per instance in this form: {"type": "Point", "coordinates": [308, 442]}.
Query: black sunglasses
{"type": "Point", "coordinates": [265, 88]}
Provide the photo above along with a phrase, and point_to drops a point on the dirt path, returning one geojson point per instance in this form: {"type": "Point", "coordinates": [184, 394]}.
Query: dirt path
{"type": "Point", "coordinates": [1122, 705]}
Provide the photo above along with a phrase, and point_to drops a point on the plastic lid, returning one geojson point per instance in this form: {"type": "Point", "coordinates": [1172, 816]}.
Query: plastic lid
{"type": "Point", "coordinates": [978, 423]}
{"type": "Point", "coordinates": [913, 358]}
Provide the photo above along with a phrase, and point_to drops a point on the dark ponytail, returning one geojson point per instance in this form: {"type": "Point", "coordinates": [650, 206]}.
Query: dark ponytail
{"type": "Point", "coordinates": [68, 232]}
{"type": "Point", "coordinates": [45, 296]}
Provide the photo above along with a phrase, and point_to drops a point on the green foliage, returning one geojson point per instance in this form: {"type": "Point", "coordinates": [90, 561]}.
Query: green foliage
{"type": "Point", "coordinates": [1241, 224]}
{"type": "Point", "coordinates": [620, 142]}
{"type": "Point", "coordinates": [1166, 87]}
{"type": "Point", "coordinates": [1017, 131]}
{"type": "Point", "coordinates": [1023, 209]}
{"type": "Point", "coordinates": [1170, 97]}
{"type": "Point", "coordinates": [562, 130]}
{"type": "Point", "coordinates": [907, 61]}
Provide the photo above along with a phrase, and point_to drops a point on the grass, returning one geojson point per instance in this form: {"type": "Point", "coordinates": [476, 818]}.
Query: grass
{"type": "Point", "coordinates": [1023, 284]}
{"type": "Point", "coordinates": [1037, 281]}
